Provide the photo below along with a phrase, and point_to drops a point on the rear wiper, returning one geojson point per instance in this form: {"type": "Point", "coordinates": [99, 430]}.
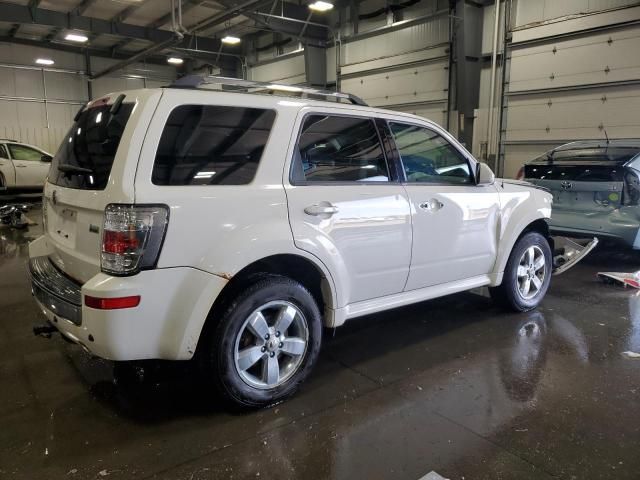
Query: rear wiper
{"type": "Point", "coordinates": [73, 169]}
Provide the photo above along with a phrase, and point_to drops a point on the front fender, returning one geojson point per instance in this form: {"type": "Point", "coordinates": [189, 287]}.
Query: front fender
{"type": "Point", "coordinates": [521, 206]}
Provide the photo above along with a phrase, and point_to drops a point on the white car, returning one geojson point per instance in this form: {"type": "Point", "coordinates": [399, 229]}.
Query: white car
{"type": "Point", "coordinates": [22, 166]}
{"type": "Point", "coordinates": [202, 221]}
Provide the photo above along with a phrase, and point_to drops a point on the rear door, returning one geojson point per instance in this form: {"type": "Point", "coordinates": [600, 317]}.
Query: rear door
{"type": "Point", "coordinates": [31, 171]}
{"type": "Point", "coordinates": [346, 205]}
{"type": "Point", "coordinates": [94, 166]}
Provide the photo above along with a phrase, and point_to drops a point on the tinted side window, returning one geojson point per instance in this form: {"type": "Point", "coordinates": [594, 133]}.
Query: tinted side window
{"type": "Point", "coordinates": [339, 149]}
{"type": "Point", "coordinates": [427, 157]}
{"type": "Point", "coordinates": [3, 152]}
{"type": "Point", "coordinates": [20, 152]}
{"type": "Point", "coordinates": [211, 145]}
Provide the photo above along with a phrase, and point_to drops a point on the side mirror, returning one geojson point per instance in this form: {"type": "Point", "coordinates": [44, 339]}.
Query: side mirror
{"type": "Point", "coordinates": [484, 175]}
{"type": "Point", "coordinates": [46, 158]}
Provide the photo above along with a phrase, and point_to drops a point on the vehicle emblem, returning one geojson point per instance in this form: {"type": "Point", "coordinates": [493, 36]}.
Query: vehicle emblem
{"type": "Point", "coordinates": [54, 198]}
{"type": "Point", "coordinates": [566, 185]}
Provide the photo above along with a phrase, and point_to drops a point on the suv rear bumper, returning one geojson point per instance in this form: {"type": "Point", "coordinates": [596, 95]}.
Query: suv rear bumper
{"type": "Point", "coordinates": [621, 224]}
{"type": "Point", "coordinates": [174, 304]}
{"type": "Point", "coordinates": [55, 291]}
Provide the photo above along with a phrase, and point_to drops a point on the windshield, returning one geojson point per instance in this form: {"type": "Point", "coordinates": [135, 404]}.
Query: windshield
{"type": "Point", "coordinates": [86, 155]}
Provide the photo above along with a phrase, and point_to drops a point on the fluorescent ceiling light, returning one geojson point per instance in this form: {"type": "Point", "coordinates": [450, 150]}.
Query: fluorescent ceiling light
{"type": "Point", "coordinates": [76, 37]}
{"type": "Point", "coordinates": [284, 88]}
{"type": "Point", "coordinates": [175, 60]}
{"type": "Point", "coordinates": [44, 61]}
{"type": "Point", "coordinates": [231, 40]}
{"type": "Point", "coordinates": [320, 6]}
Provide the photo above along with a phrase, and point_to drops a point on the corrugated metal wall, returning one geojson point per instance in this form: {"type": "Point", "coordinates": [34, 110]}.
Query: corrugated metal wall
{"type": "Point", "coordinates": [403, 66]}
{"type": "Point", "coordinates": [37, 105]}
{"type": "Point", "coordinates": [566, 83]}
{"type": "Point", "coordinates": [403, 69]}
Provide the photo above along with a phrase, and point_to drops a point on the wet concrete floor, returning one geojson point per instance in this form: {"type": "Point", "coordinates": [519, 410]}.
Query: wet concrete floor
{"type": "Point", "coordinates": [454, 385]}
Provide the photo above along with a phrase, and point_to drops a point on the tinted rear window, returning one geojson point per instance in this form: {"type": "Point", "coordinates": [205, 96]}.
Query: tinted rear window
{"type": "Point", "coordinates": [579, 173]}
{"type": "Point", "coordinates": [91, 144]}
{"type": "Point", "coordinates": [211, 145]}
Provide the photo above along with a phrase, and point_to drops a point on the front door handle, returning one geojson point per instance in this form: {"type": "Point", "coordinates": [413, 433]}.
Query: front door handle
{"type": "Point", "coordinates": [20, 166]}
{"type": "Point", "coordinates": [318, 209]}
{"type": "Point", "coordinates": [432, 205]}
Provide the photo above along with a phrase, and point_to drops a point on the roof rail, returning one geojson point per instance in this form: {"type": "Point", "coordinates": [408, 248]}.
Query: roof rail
{"type": "Point", "coordinates": [211, 82]}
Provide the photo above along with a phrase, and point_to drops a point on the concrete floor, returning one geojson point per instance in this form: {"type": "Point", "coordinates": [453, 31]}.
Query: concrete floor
{"type": "Point", "coordinates": [453, 385]}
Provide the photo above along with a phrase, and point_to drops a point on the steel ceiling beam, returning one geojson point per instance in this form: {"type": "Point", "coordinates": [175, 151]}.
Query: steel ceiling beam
{"type": "Point", "coordinates": [94, 52]}
{"type": "Point", "coordinates": [22, 14]}
{"type": "Point", "coordinates": [293, 11]}
{"type": "Point", "coordinates": [127, 12]}
{"type": "Point", "coordinates": [224, 16]}
{"type": "Point", "coordinates": [166, 18]}
{"type": "Point", "coordinates": [84, 6]}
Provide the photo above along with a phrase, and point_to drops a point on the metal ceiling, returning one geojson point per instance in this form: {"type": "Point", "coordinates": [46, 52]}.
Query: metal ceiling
{"type": "Point", "coordinates": [122, 29]}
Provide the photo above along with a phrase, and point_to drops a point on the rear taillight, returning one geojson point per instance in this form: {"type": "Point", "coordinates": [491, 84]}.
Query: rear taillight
{"type": "Point", "coordinates": [132, 236]}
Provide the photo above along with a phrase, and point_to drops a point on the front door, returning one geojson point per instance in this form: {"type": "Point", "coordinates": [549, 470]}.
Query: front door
{"type": "Point", "coordinates": [346, 208]}
{"type": "Point", "coordinates": [31, 171]}
{"type": "Point", "coordinates": [455, 221]}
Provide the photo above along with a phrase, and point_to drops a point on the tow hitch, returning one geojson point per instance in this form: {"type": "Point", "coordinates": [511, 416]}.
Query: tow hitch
{"type": "Point", "coordinates": [44, 330]}
{"type": "Point", "coordinates": [567, 252]}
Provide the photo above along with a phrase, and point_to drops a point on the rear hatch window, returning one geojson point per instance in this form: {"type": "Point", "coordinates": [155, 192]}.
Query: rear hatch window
{"type": "Point", "coordinates": [85, 157]}
{"type": "Point", "coordinates": [211, 145]}
{"type": "Point", "coordinates": [578, 173]}
{"type": "Point", "coordinates": [581, 187]}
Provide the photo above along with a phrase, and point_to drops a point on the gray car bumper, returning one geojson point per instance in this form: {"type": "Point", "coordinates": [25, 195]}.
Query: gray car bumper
{"type": "Point", "coordinates": [621, 224]}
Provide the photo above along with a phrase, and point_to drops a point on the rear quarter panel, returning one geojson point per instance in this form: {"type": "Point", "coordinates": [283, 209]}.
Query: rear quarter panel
{"type": "Point", "coordinates": [220, 229]}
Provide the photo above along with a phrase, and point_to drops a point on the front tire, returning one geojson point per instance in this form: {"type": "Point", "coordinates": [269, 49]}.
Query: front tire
{"type": "Point", "coordinates": [527, 275]}
{"type": "Point", "coordinates": [265, 344]}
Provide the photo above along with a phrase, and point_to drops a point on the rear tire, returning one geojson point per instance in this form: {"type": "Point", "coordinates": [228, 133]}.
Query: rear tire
{"type": "Point", "coordinates": [265, 344]}
{"type": "Point", "coordinates": [527, 275]}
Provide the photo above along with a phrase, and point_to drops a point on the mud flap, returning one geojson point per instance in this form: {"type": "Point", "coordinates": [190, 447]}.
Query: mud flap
{"type": "Point", "coordinates": [567, 253]}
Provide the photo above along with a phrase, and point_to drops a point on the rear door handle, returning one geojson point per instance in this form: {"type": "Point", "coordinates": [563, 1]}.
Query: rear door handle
{"type": "Point", "coordinates": [321, 209]}
{"type": "Point", "coordinates": [21, 166]}
{"type": "Point", "coordinates": [432, 205]}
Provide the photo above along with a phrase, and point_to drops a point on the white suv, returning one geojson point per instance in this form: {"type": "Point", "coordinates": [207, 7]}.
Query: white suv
{"type": "Point", "coordinates": [232, 222]}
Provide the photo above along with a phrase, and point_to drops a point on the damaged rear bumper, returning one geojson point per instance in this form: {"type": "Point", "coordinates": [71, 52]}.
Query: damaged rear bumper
{"type": "Point", "coordinates": [568, 253]}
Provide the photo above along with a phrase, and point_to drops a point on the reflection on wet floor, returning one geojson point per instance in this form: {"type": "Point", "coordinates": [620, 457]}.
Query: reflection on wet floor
{"type": "Point", "coordinates": [452, 385]}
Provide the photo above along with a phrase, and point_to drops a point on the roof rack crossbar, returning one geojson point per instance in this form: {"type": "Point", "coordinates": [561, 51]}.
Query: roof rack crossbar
{"type": "Point", "coordinates": [202, 82]}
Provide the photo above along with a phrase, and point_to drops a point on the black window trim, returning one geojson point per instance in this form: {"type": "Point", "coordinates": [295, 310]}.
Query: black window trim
{"type": "Point", "coordinates": [221, 185]}
{"type": "Point", "coordinates": [430, 128]}
{"type": "Point", "coordinates": [393, 180]}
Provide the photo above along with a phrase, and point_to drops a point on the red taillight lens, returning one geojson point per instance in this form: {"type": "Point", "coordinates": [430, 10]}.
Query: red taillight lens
{"type": "Point", "coordinates": [119, 242]}
{"type": "Point", "coordinates": [132, 236]}
{"type": "Point", "coordinates": [112, 303]}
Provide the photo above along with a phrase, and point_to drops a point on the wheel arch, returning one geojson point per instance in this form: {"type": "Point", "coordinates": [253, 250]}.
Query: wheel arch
{"type": "Point", "coordinates": [538, 225]}
{"type": "Point", "coordinates": [297, 267]}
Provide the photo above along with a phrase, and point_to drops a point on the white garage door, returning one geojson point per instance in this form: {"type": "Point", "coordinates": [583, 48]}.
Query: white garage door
{"type": "Point", "coordinates": [573, 88]}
